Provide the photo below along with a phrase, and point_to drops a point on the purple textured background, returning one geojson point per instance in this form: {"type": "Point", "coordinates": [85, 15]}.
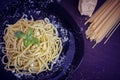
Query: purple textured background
{"type": "Point", "coordinates": [102, 62]}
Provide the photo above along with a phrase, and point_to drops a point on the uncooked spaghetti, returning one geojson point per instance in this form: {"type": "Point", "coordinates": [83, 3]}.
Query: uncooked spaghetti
{"type": "Point", "coordinates": [31, 46]}
{"type": "Point", "coordinates": [104, 22]}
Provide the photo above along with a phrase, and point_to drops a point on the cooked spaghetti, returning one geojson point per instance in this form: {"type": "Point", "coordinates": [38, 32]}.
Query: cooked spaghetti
{"type": "Point", "coordinates": [31, 46]}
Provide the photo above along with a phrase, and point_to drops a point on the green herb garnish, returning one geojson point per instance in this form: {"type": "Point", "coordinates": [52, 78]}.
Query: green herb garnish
{"type": "Point", "coordinates": [30, 32]}
{"type": "Point", "coordinates": [20, 34]}
{"type": "Point", "coordinates": [35, 40]}
{"type": "Point", "coordinates": [28, 37]}
{"type": "Point", "coordinates": [27, 42]}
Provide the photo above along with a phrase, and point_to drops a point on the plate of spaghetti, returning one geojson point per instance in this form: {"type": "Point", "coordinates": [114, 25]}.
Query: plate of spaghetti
{"type": "Point", "coordinates": [37, 41]}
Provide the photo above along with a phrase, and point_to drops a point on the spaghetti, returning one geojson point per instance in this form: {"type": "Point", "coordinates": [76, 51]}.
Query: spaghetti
{"type": "Point", "coordinates": [104, 22]}
{"type": "Point", "coordinates": [33, 54]}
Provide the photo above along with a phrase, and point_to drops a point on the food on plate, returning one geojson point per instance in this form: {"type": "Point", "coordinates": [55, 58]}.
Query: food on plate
{"type": "Point", "coordinates": [104, 22]}
{"type": "Point", "coordinates": [87, 7]}
{"type": "Point", "coordinates": [31, 46]}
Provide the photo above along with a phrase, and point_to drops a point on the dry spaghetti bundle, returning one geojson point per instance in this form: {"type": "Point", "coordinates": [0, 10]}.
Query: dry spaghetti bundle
{"type": "Point", "coordinates": [104, 22]}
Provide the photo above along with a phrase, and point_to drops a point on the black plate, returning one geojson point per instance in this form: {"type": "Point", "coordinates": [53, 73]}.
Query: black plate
{"type": "Point", "coordinates": [69, 31]}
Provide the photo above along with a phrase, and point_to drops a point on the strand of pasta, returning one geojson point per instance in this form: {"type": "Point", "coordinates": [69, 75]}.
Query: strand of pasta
{"type": "Point", "coordinates": [109, 33]}
{"type": "Point", "coordinates": [112, 33]}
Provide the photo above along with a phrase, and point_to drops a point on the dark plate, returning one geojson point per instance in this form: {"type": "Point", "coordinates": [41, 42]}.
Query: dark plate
{"type": "Point", "coordinates": [69, 31]}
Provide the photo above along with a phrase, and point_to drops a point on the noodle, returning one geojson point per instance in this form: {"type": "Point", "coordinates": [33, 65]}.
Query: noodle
{"type": "Point", "coordinates": [33, 58]}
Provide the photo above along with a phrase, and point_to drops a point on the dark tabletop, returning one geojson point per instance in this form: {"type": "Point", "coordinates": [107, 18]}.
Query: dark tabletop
{"type": "Point", "coordinates": [102, 62]}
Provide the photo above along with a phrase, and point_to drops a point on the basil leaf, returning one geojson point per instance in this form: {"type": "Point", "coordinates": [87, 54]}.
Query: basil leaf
{"type": "Point", "coordinates": [30, 32]}
{"type": "Point", "coordinates": [29, 38]}
{"type": "Point", "coordinates": [20, 34]}
{"type": "Point", "coordinates": [27, 42]}
{"type": "Point", "coordinates": [35, 40]}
